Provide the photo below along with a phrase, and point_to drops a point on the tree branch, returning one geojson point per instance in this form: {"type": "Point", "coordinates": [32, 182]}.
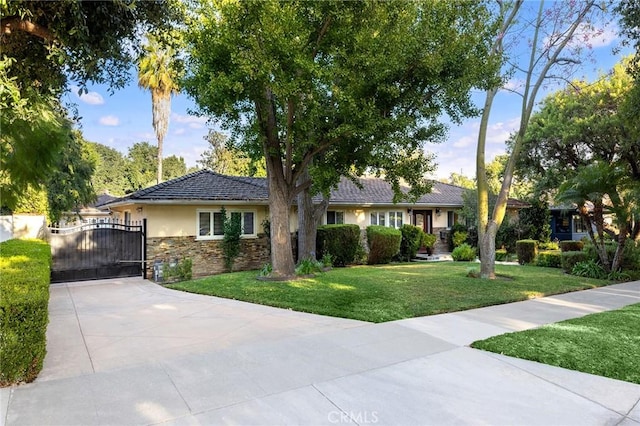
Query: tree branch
{"type": "Point", "coordinates": [15, 23]}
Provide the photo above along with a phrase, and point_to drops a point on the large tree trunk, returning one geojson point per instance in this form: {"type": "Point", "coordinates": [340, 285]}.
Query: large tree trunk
{"type": "Point", "coordinates": [309, 218]}
{"type": "Point", "coordinates": [281, 250]}
{"type": "Point", "coordinates": [488, 251]}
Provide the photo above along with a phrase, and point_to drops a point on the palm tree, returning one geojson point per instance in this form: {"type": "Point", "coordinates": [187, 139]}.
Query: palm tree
{"type": "Point", "coordinates": [157, 73]}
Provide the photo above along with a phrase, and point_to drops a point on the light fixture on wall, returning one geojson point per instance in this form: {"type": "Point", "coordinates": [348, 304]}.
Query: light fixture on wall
{"type": "Point", "coordinates": [139, 209]}
{"type": "Point", "coordinates": [438, 212]}
{"type": "Point", "coordinates": [409, 210]}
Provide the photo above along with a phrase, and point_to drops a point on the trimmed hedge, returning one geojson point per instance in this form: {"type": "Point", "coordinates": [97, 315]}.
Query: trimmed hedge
{"type": "Point", "coordinates": [339, 241]}
{"type": "Point", "coordinates": [526, 251]}
{"type": "Point", "coordinates": [24, 309]}
{"type": "Point", "coordinates": [549, 258]}
{"type": "Point", "coordinates": [570, 258]}
{"type": "Point", "coordinates": [570, 245]}
{"type": "Point", "coordinates": [412, 238]}
{"type": "Point", "coordinates": [384, 243]}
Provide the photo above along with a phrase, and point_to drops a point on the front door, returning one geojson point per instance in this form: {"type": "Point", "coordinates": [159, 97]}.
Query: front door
{"type": "Point", "coordinates": [422, 219]}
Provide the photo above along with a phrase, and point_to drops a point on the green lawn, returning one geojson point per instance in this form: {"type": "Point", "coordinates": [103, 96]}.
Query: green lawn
{"type": "Point", "coordinates": [606, 344]}
{"type": "Point", "coordinates": [391, 292]}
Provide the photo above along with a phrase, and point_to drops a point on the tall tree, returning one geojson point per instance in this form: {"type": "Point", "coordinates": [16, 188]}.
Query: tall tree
{"type": "Point", "coordinates": [158, 73]}
{"type": "Point", "coordinates": [173, 167]}
{"type": "Point", "coordinates": [111, 170]}
{"type": "Point", "coordinates": [141, 165]}
{"type": "Point", "coordinates": [225, 158]}
{"type": "Point", "coordinates": [552, 33]}
{"type": "Point", "coordinates": [46, 44]}
{"type": "Point", "coordinates": [583, 141]}
{"type": "Point", "coordinates": [309, 81]}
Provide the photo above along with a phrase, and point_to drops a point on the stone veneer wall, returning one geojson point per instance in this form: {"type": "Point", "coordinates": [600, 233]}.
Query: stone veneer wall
{"type": "Point", "coordinates": [206, 254]}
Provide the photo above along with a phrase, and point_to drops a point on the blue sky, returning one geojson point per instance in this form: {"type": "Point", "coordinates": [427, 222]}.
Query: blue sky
{"type": "Point", "coordinates": [123, 118]}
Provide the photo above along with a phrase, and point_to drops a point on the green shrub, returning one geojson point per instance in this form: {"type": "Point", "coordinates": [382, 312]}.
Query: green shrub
{"type": "Point", "coordinates": [571, 245]}
{"type": "Point", "coordinates": [178, 271]}
{"type": "Point", "coordinates": [24, 301]}
{"type": "Point", "coordinates": [412, 239]}
{"type": "Point", "coordinates": [309, 267]}
{"type": "Point", "coordinates": [384, 243]}
{"type": "Point", "coordinates": [501, 255]}
{"type": "Point", "coordinates": [507, 236]}
{"type": "Point", "coordinates": [570, 258]}
{"type": "Point", "coordinates": [451, 235]}
{"type": "Point", "coordinates": [232, 230]}
{"type": "Point", "coordinates": [464, 252]}
{"type": "Point", "coordinates": [340, 241]}
{"type": "Point", "coordinates": [429, 241]}
{"type": "Point", "coordinates": [549, 258]}
{"type": "Point", "coordinates": [526, 251]}
{"type": "Point", "coordinates": [548, 246]}
{"type": "Point", "coordinates": [589, 269]}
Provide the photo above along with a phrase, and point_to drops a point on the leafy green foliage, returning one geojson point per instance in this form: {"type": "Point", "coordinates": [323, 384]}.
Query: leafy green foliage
{"type": "Point", "coordinates": [391, 292]}
{"type": "Point", "coordinates": [309, 267]}
{"type": "Point", "coordinates": [501, 255]}
{"type": "Point", "coordinates": [549, 258]}
{"type": "Point", "coordinates": [571, 258]}
{"type": "Point", "coordinates": [569, 245]}
{"type": "Point", "coordinates": [461, 230]}
{"type": "Point", "coordinates": [341, 242]}
{"type": "Point", "coordinates": [337, 88]}
{"type": "Point", "coordinates": [384, 244]}
{"type": "Point", "coordinates": [463, 253]}
{"type": "Point", "coordinates": [24, 303]}
{"type": "Point", "coordinates": [412, 239]}
{"type": "Point", "coordinates": [225, 158]}
{"type": "Point", "coordinates": [110, 174]}
{"type": "Point", "coordinates": [80, 41]}
{"type": "Point", "coordinates": [527, 251]}
{"type": "Point", "coordinates": [605, 344]}
{"type": "Point", "coordinates": [182, 270]}
{"type": "Point", "coordinates": [232, 229]}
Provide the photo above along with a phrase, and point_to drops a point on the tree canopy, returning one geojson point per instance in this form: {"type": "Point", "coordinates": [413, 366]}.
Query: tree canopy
{"type": "Point", "coordinates": [584, 142]}
{"type": "Point", "coordinates": [329, 81]}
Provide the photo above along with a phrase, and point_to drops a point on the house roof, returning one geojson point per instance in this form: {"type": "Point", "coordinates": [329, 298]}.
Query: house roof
{"type": "Point", "coordinates": [206, 185]}
{"type": "Point", "coordinates": [203, 185]}
{"type": "Point", "coordinates": [378, 191]}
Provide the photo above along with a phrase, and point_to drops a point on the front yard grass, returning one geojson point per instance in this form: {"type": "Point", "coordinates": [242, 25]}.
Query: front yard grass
{"type": "Point", "coordinates": [606, 344]}
{"type": "Point", "coordinates": [392, 292]}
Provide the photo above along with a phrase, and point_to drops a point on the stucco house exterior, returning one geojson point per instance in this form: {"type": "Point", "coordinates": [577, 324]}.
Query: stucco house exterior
{"type": "Point", "coordinates": [184, 220]}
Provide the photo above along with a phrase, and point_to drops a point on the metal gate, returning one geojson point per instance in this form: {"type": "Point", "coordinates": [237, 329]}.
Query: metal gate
{"type": "Point", "coordinates": [97, 250]}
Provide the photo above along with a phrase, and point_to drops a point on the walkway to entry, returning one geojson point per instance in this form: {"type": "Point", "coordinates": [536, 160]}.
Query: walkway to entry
{"type": "Point", "coordinates": [127, 351]}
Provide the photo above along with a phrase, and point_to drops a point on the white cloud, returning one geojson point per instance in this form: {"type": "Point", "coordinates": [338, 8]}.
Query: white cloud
{"type": "Point", "coordinates": [190, 120]}
{"type": "Point", "coordinates": [109, 120]}
{"type": "Point", "coordinates": [596, 37]}
{"type": "Point", "coordinates": [464, 142]}
{"type": "Point", "coordinates": [498, 133]}
{"type": "Point", "coordinates": [91, 98]}
{"type": "Point", "coordinates": [179, 131]}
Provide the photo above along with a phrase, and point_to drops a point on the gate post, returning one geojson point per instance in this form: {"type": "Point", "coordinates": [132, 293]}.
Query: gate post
{"type": "Point", "coordinates": [144, 248]}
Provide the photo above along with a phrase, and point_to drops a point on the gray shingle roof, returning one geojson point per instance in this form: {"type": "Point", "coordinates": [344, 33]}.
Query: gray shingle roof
{"type": "Point", "coordinates": [377, 191]}
{"type": "Point", "coordinates": [204, 185]}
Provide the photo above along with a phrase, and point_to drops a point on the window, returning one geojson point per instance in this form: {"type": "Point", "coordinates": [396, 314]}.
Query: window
{"type": "Point", "coordinates": [127, 217]}
{"type": "Point", "coordinates": [335, 217]}
{"type": "Point", "coordinates": [392, 219]}
{"type": "Point", "coordinates": [378, 218]}
{"type": "Point", "coordinates": [210, 223]}
{"type": "Point", "coordinates": [451, 219]}
{"type": "Point", "coordinates": [579, 225]}
{"type": "Point", "coordinates": [395, 219]}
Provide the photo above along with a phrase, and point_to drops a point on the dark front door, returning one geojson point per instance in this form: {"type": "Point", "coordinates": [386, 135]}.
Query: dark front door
{"type": "Point", "coordinates": [423, 219]}
{"type": "Point", "coordinates": [96, 251]}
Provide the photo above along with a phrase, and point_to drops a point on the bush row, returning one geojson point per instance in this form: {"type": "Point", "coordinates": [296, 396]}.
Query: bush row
{"type": "Point", "coordinates": [24, 300]}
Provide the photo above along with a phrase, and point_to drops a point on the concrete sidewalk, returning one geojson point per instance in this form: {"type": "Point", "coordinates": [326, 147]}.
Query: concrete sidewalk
{"type": "Point", "coordinates": [131, 352]}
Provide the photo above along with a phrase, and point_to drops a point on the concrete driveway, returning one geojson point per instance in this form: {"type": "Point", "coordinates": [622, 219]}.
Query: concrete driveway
{"type": "Point", "coordinates": [128, 351]}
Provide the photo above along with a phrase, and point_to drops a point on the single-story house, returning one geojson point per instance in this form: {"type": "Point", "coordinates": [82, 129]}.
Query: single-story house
{"type": "Point", "coordinates": [566, 223]}
{"type": "Point", "coordinates": [89, 214]}
{"type": "Point", "coordinates": [184, 220]}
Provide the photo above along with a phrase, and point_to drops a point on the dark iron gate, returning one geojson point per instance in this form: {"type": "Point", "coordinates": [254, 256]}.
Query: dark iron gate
{"type": "Point", "coordinates": [98, 250]}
